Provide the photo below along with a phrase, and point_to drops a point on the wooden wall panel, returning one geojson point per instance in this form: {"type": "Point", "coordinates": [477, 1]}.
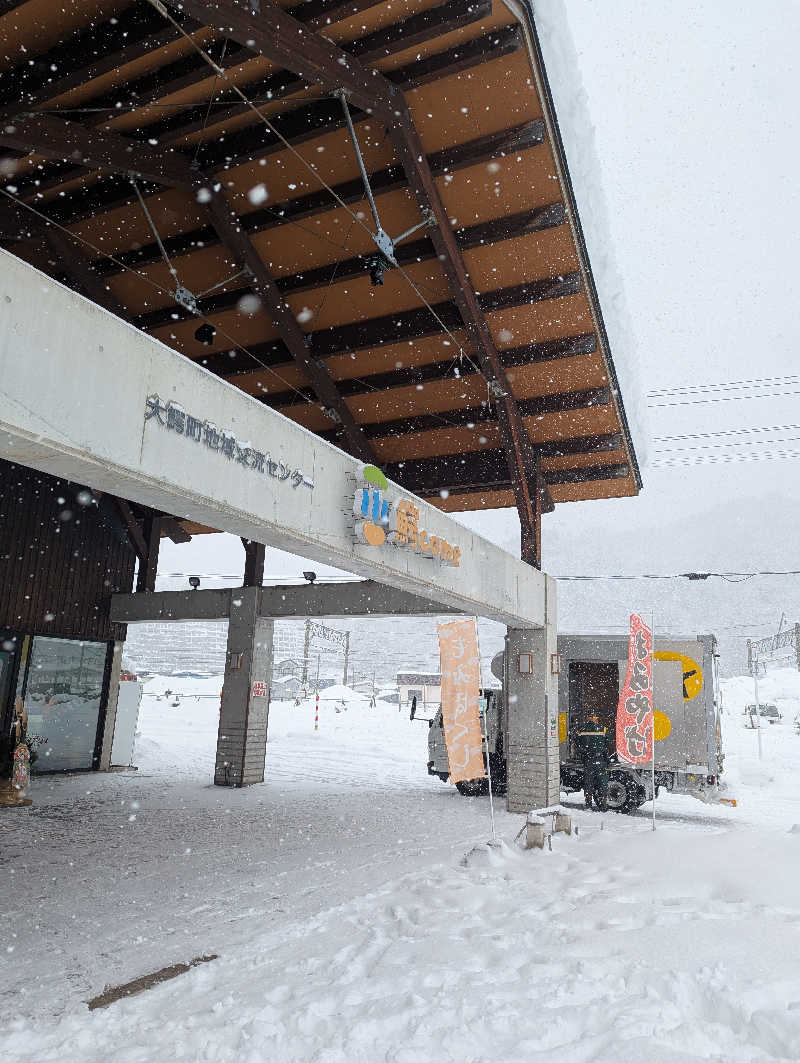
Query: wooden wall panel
{"type": "Point", "coordinates": [57, 571]}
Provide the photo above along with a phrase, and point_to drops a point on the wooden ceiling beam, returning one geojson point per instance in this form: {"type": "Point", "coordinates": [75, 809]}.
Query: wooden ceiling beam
{"type": "Point", "coordinates": [485, 469]}
{"type": "Point", "coordinates": [528, 354]}
{"type": "Point", "coordinates": [133, 33]}
{"type": "Point", "coordinates": [389, 40]}
{"type": "Point", "coordinates": [550, 478]}
{"type": "Point", "coordinates": [57, 139]}
{"type": "Point", "coordinates": [450, 160]}
{"type": "Point", "coordinates": [91, 53]}
{"type": "Point", "coordinates": [298, 126]}
{"type": "Point", "coordinates": [469, 237]}
{"type": "Point", "coordinates": [392, 328]}
{"type": "Point", "coordinates": [69, 256]}
{"type": "Point", "coordinates": [523, 462]}
{"type": "Point", "coordinates": [539, 406]}
{"type": "Point", "coordinates": [278, 36]}
{"type": "Point", "coordinates": [314, 370]}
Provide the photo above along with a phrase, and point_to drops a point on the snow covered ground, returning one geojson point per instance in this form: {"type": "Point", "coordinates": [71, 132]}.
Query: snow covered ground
{"type": "Point", "coordinates": [357, 917]}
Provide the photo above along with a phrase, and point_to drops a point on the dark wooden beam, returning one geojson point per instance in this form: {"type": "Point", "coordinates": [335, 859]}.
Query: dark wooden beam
{"type": "Point", "coordinates": [297, 126]}
{"type": "Point", "coordinates": [539, 406]}
{"type": "Point", "coordinates": [55, 138]}
{"type": "Point", "coordinates": [450, 160]}
{"type": "Point", "coordinates": [134, 531]}
{"type": "Point", "coordinates": [550, 478]}
{"type": "Point", "coordinates": [414, 30]}
{"type": "Point", "coordinates": [69, 256]}
{"type": "Point", "coordinates": [148, 565]}
{"type": "Point", "coordinates": [276, 35]}
{"type": "Point", "coordinates": [509, 228]}
{"type": "Point", "coordinates": [92, 52]}
{"type": "Point", "coordinates": [174, 530]}
{"type": "Point", "coordinates": [389, 328]}
{"type": "Point", "coordinates": [523, 462]}
{"type": "Point", "coordinates": [254, 555]}
{"type": "Point", "coordinates": [485, 469]}
{"type": "Point", "coordinates": [7, 6]}
{"type": "Point", "coordinates": [295, 340]}
{"type": "Point", "coordinates": [527, 354]}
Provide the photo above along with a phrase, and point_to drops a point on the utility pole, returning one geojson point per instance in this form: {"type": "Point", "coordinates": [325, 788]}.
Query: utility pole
{"type": "Point", "coordinates": [346, 656]}
{"type": "Point", "coordinates": [304, 680]}
{"type": "Point", "coordinates": [758, 704]}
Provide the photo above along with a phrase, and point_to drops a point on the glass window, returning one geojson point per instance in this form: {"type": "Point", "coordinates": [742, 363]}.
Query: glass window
{"type": "Point", "coordinates": [62, 695]}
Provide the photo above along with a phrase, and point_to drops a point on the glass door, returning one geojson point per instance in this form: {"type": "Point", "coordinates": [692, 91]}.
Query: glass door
{"type": "Point", "coordinates": [63, 696]}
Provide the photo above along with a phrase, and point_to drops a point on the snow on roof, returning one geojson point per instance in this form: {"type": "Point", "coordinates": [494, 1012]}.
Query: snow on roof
{"type": "Point", "coordinates": [573, 108]}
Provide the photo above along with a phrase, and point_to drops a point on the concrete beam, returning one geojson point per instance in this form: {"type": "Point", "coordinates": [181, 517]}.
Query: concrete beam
{"type": "Point", "coordinates": [341, 600]}
{"type": "Point", "coordinates": [179, 440]}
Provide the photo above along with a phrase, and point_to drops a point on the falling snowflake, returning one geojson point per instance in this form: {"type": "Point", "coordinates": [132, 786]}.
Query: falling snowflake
{"type": "Point", "coordinates": [258, 194]}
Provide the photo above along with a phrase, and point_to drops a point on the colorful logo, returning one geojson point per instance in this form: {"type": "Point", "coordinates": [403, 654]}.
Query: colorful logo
{"type": "Point", "coordinates": [370, 507]}
{"type": "Point", "coordinates": [378, 520]}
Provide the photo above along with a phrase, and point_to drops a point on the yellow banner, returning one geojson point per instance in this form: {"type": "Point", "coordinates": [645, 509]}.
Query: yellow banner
{"type": "Point", "coordinates": [461, 681]}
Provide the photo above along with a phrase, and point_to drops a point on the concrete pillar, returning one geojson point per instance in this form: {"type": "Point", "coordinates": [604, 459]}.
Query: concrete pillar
{"type": "Point", "coordinates": [111, 707]}
{"type": "Point", "coordinates": [532, 714]}
{"type": "Point", "coordinates": [242, 740]}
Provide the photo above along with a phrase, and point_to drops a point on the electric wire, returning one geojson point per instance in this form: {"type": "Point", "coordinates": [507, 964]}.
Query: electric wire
{"type": "Point", "coordinates": [722, 398]}
{"type": "Point", "coordinates": [727, 385]}
{"type": "Point", "coordinates": [158, 287]}
{"type": "Point", "coordinates": [296, 153]}
{"type": "Point", "coordinates": [726, 432]}
{"type": "Point", "coordinates": [276, 132]}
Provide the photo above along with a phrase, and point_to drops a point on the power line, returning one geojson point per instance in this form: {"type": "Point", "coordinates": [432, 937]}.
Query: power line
{"type": "Point", "coordinates": [692, 576]}
{"type": "Point", "coordinates": [726, 385]}
{"type": "Point", "coordinates": [726, 432]}
{"type": "Point", "coordinates": [723, 398]}
{"type": "Point", "coordinates": [728, 459]}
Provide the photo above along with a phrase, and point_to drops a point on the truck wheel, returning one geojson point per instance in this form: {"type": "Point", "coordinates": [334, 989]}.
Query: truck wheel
{"type": "Point", "coordinates": [469, 789]}
{"type": "Point", "coordinates": [622, 794]}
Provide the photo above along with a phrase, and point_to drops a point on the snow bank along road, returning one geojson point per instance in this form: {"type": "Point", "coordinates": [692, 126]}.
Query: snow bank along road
{"type": "Point", "coordinates": [348, 927]}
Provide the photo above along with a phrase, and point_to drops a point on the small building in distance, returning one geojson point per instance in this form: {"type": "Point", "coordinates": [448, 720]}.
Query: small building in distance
{"type": "Point", "coordinates": [426, 687]}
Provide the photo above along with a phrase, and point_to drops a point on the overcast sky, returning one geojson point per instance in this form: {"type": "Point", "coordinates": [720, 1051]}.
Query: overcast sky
{"type": "Point", "coordinates": [696, 136]}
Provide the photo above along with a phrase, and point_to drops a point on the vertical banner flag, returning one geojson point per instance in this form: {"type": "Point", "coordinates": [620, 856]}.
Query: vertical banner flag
{"type": "Point", "coordinates": [635, 711]}
{"type": "Point", "coordinates": [460, 668]}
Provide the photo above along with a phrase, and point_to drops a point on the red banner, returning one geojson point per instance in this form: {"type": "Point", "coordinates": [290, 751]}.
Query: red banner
{"type": "Point", "coordinates": [635, 709]}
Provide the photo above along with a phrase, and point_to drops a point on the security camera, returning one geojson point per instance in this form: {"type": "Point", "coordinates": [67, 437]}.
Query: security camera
{"type": "Point", "coordinates": [194, 582]}
{"type": "Point", "coordinates": [310, 576]}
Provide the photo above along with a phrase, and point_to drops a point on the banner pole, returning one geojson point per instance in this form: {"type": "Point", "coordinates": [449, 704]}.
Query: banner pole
{"type": "Point", "coordinates": [653, 710]}
{"type": "Point", "coordinates": [485, 734]}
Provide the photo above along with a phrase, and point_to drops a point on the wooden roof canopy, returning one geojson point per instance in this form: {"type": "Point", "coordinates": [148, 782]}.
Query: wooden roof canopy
{"type": "Point", "coordinates": [201, 147]}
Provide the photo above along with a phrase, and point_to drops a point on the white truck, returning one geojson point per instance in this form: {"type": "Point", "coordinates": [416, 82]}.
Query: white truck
{"type": "Point", "coordinates": [687, 709]}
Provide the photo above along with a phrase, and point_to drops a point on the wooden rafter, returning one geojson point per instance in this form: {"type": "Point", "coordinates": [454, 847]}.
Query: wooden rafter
{"type": "Point", "coordinates": [244, 254]}
{"type": "Point", "coordinates": [486, 469]}
{"type": "Point", "coordinates": [55, 138]}
{"type": "Point", "coordinates": [313, 204]}
{"type": "Point", "coordinates": [537, 406]}
{"type": "Point", "coordinates": [399, 327]}
{"type": "Point", "coordinates": [430, 372]}
{"type": "Point", "coordinates": [300, 125]}
{"type": "Point", "coordinates": [95, 51]}
{"type": "Point", "coordinates": [413, 251]}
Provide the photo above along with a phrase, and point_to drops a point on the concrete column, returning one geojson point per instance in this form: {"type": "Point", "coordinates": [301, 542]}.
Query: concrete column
{"type": "Point", "coordinates": [532, 714]}
{"type": "Point", "coordinates": [111, 707]}
{"type": "Point", "coordinates": [242, 740]}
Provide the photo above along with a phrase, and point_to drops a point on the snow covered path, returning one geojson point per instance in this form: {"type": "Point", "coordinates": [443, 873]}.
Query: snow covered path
{"type": "Point", "coordinates": [373, 941]}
